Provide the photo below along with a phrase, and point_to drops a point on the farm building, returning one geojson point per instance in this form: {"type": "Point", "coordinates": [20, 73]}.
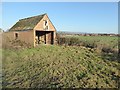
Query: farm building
{"type": "Point", "coordinates": [33, 30]}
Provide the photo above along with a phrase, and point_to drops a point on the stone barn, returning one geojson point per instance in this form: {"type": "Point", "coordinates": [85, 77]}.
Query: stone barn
{"type": "Point", "coordinates": [33, 30]}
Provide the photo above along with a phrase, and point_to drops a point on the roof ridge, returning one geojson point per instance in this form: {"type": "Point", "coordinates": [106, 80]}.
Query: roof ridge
{"type": "Point", "coordinates": [33, 16]}
{"type": "Point", "coordinates": [27, 23]}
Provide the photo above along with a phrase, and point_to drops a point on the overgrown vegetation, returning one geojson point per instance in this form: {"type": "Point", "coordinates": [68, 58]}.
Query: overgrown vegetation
{"type": "Point", "coordinates": [107, 44]}
{"type": "Point", "coordinates": [77, 61]}
{"type": "Point", "coordinates": [49, 66]}
{"type": "Point", "coordinates": [15, 44]}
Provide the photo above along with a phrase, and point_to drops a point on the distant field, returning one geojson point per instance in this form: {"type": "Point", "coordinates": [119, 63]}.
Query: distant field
{"type": "Point", "coordinates": [101, 43]}
{"type": "Point", "coordinates": [111, 41]}
{"type": "Point", "coordinates": [61, 66]}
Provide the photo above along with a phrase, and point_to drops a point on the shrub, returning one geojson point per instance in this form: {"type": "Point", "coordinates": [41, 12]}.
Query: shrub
{"type": "Point", "coordinates": [90, 44]}
{"type": "Point", "coordinates": [16, 44]}
{"type": "Point", "coordinates": [61, 41]}
{"type": "Point", "coordinates": [74, 41]}
{"type": "Point", "coordinates": [98, 44]}
{"type": "Point", "coordinates": [107, 49]}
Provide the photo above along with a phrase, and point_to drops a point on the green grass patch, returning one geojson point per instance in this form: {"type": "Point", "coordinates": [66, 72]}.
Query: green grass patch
{"type": "Point", "coordinates": [58, 66]}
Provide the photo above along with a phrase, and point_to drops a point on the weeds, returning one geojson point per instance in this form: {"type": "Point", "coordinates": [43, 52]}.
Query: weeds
{"type": "Point", "coordinates": [52, 66]}
{"type": "Point", "coordinates": [101, 43]}
{"type": "Point", "coordinates": [73, 63]}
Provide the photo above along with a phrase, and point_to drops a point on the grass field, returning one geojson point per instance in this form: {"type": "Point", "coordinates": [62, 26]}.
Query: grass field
{"type": "Point", "coordinates": [108, 41]}
{"type": "Point", "coordinates": [111, 41]}
{"type": "Point", "coordinates": [59, 66]}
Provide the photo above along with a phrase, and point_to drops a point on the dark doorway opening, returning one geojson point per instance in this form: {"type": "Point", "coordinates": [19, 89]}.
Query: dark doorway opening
{"type": "Point", "coordinates": [44, 37]}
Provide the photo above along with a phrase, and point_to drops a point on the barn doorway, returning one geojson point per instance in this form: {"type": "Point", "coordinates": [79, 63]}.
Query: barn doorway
{"type": "Point", "coordinates": [44, 37]}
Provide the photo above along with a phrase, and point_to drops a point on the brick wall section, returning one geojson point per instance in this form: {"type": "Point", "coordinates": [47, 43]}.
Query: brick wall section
{"type": "Point", "coordinates": [26, 36]}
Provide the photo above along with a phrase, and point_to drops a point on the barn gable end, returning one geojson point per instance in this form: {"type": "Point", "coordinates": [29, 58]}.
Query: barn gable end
{"type": "Point", "coordinates": [40, 25]}
{"type": "Point", "coordinates": [34, 30]}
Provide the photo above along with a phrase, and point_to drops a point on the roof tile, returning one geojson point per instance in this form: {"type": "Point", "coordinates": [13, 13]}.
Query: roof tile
{"type": "Point", "coordinates": [27, 23]}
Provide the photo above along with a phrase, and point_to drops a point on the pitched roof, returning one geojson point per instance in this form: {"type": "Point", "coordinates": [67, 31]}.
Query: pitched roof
{"type": "Point", "coordinates": [27, 23]}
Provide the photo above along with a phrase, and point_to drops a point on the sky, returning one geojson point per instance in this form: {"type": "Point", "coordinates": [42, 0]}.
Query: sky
{"type": "Point", "coordinates": [89, 17]}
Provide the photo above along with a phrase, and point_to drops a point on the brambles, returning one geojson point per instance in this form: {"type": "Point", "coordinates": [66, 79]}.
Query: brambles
{"type": "Point", "coordinates": [78, 61]}
{"type": "Point", "coordinates": [107, 49]}
{"type": "Point", "coordinates": [104, 44]}
{"type": "Point", "coordinates": [15, 44]}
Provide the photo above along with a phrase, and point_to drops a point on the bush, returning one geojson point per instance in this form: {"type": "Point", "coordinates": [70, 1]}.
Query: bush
{"type": "Point", "coordinates": [76, 41]}
{"type": "Point", "coordinates": [90, 44]}
{"type": "Point", "coordinates": [73, 41]}
{"type": "Point", "coordinates": [15, 44]}
{"type": "Point", "coordinates": [107, 49]}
